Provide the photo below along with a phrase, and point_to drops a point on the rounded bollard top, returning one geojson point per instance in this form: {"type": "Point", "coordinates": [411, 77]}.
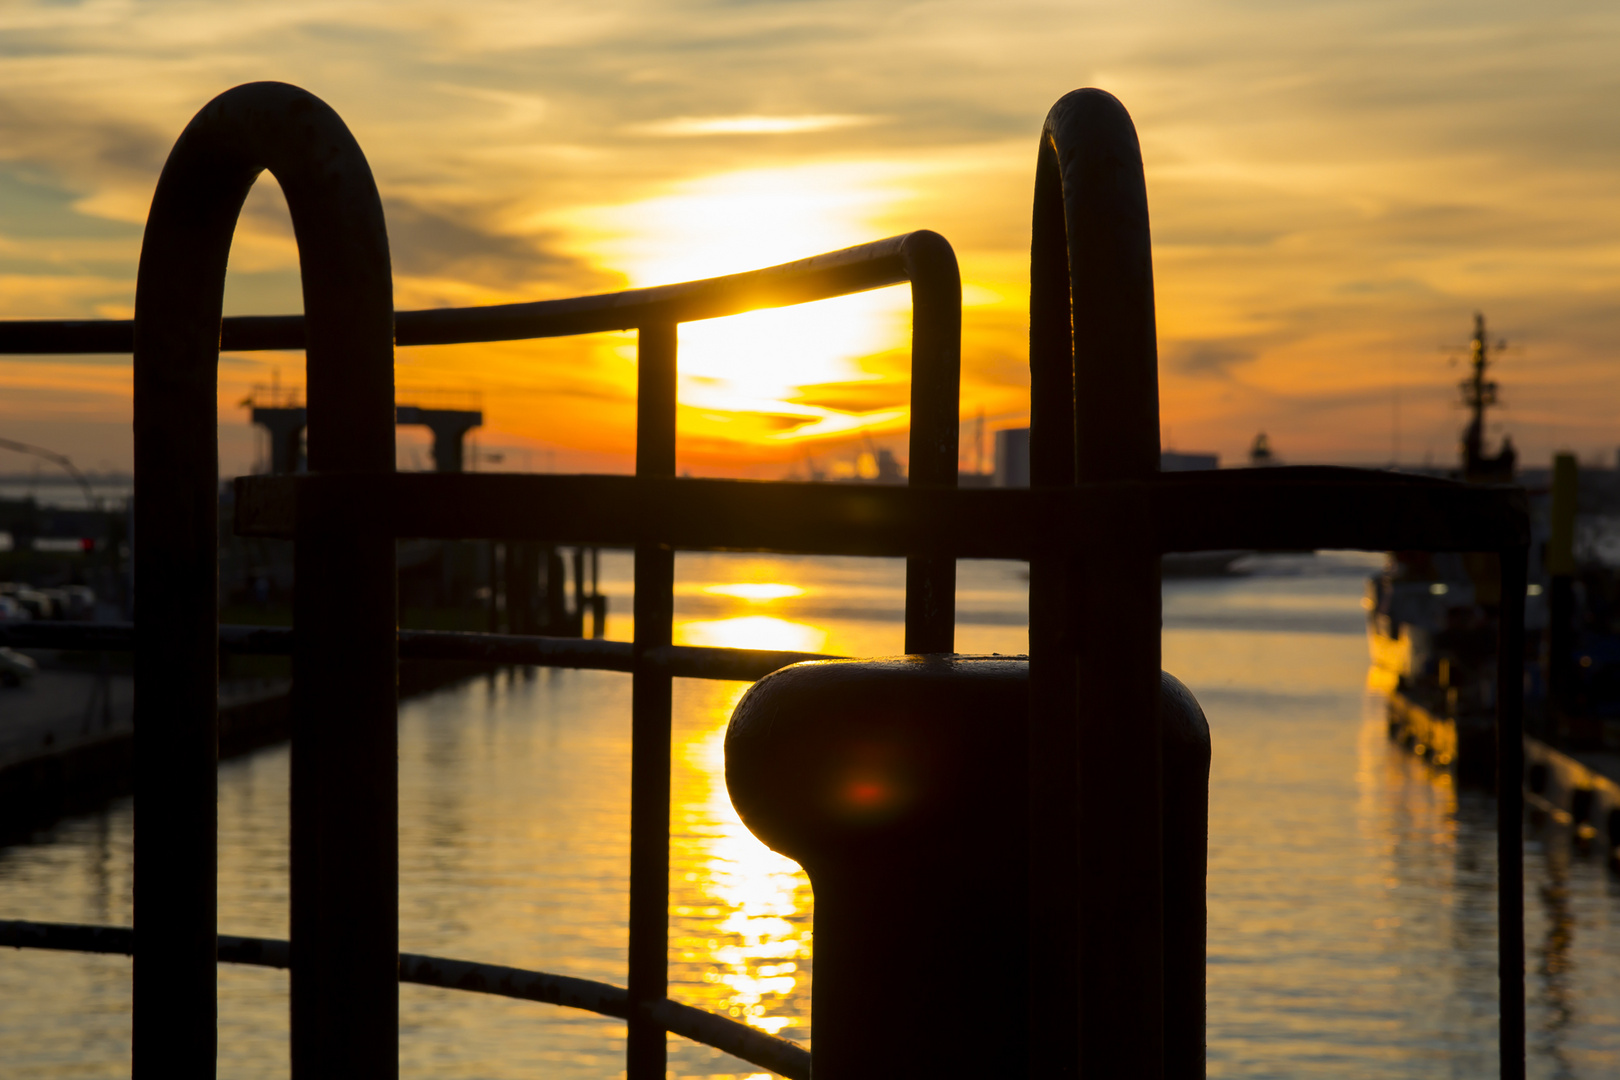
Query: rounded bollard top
{"type": "Point", "coordinates": [837, 754]}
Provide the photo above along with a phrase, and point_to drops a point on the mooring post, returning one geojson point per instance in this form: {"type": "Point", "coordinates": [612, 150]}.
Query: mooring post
{"type": "Point", "coordinates": [344, 855]}
{"type": "Point", "coordinates": [899, 785]}
{"type": "Point", "coordinates": [1098, 1008]}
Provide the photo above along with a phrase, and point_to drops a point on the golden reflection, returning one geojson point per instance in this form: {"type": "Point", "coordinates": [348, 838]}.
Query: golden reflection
{"type": "Point", "coordinates": [752, 632]}
{"type": "Point", "coordinates": [757, 592]}
{"type": "Point", "coordinates": [1401, 797]}
{"type": "Point", "coordinates": [740, 914]}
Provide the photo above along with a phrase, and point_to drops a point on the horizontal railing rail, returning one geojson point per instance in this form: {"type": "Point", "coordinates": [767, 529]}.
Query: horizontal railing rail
{"type": "Point", "coordinates": [1289, 508]}
{"type": "Point", "coordinates": [822, 277]}
{"type": "Point", "coordinates": [756, 1047]}
{"type": "Point", "coordinates": [681, 661]}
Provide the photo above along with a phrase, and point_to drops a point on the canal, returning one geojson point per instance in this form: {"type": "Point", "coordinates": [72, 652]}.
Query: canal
{"type": "Point", "coordinates": [1351, 926]}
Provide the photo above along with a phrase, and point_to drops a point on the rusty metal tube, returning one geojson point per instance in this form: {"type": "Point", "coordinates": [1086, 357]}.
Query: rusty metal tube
{"type": "Point", "coordinates": [345, 675]}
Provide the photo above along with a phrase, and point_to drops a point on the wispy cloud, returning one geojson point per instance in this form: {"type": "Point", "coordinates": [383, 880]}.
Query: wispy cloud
{"type": "Point", "coordinates": [690, 126]}
{"type": "Point", "coordinates": [1335, 187]}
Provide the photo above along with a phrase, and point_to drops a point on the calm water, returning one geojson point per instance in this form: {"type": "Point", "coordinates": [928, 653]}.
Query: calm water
{"type": "Point", "coordinates": [1351, 907]}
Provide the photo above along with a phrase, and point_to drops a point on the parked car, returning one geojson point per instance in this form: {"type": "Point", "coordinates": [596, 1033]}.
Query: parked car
{"type": "Point", "coordinates": [16, 668]}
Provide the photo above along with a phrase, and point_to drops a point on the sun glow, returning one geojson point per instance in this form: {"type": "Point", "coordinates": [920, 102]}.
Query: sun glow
{"type": "Point", "coordinates": [746, 376]}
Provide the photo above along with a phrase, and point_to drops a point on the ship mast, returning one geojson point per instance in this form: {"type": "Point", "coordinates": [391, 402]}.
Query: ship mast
{"type": "Point", "coordinates": [1478, 394]}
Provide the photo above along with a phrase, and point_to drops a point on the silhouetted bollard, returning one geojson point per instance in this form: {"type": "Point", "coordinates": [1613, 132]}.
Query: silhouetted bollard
{"type": "Point", "coordinates": [900, 785]}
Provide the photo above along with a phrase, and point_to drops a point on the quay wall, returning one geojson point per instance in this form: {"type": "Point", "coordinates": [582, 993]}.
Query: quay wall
{"type": "Point", "coordinates": [67, 743]}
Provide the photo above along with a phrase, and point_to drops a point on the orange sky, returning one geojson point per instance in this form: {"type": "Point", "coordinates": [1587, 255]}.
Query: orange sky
{"type": "Point", "coordinates": [1335, 188]}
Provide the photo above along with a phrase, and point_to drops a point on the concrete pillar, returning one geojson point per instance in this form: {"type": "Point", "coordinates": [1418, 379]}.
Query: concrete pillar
{"type": "Point", "coordinates": [449, 427]}
{"type": "Point", "coordinates": [286, 427]}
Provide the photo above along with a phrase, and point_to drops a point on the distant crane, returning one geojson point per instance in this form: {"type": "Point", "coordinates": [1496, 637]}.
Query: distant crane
{"type": "Point", "coordinates": [55, 459]}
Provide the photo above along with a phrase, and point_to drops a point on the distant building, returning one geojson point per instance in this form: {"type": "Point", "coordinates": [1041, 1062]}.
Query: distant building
{"type": "Point", "coordinates": [1012, 457]}
{"type": "Point", "coordinates": [1176, 461]}
{"type": "Point", "coordinates": [888, 468]}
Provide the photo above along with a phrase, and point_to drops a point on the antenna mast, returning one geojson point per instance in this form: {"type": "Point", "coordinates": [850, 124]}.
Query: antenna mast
{"type": "Point", "coordinates": [1479, 394]}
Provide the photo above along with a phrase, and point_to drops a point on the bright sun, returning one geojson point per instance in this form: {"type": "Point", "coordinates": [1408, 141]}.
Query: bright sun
{"type": "Point", "coordinates": [755, 365]}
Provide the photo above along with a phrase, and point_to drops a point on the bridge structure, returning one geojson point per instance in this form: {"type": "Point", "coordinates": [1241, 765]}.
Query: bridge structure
{"type": "Point", "coordinates": [284, 420]}
{"type": "Point", "coordinates": [1110, 995]}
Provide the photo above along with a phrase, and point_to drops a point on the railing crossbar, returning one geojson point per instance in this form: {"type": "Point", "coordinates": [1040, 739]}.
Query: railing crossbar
{"type": "Point", "coordinates": [767, 1051]}
{"type": "Point", "coordinates": [839, 273]}
{"type": "Point", "coordinates": [1288, 508]}
{"type": "Point", "coordinates": [679, 661]}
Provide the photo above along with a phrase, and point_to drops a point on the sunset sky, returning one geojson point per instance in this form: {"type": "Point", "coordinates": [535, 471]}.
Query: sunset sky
{"type": "Point", "coordinates": [1335, 189]}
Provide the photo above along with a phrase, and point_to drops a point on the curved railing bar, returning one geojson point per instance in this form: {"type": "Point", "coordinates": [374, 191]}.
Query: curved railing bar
{"type": "Point", "coordinates": [346, 673]}
{"type": "Point", "coordinates": [875, 265]}
{"type": "Point", "coordinates": [782, 1056]}
{"type": "Point", "coordinates": [1094, 608]}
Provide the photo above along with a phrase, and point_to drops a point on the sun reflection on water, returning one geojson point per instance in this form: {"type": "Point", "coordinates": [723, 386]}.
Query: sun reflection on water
{"type": "Point", "coordinates": [758, 592]}
{"type": "Point", "coordinates": [740, 913]}
{"type": "Point", "coordinates": [752, 632]}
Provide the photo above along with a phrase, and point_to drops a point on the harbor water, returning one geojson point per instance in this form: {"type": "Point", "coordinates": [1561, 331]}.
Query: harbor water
{"type": "Point", "coordinates": [1351, 888]}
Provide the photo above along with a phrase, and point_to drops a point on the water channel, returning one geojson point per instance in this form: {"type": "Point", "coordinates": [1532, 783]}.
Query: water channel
{"type": "Point", "coordinates": [1351, 927]}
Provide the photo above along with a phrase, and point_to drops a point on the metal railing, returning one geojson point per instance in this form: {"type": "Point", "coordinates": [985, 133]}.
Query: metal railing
{"type": "Point", "coordinates": [1092, 529]}
{"type": "Point", "coordinates": [721, 1032]}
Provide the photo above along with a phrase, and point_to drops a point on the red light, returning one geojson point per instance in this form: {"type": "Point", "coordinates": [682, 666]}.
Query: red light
{"type": "Point", "coordinates": [866, 793]}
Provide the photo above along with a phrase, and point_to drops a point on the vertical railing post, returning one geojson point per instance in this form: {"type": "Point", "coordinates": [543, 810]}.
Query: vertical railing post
{"type": "Point", "coordinates": [650, 718]}
{"type": "Point", "coordinates": [1053, 734]}
{"type": "Point", "coordinates": [344, 679]}
{"type": "Point", "coordinates": [1510, 811]}
{"type": "Point", "coordinates": [936, 376]}
{"type": "Point", "coordinates": [1094, 613]}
